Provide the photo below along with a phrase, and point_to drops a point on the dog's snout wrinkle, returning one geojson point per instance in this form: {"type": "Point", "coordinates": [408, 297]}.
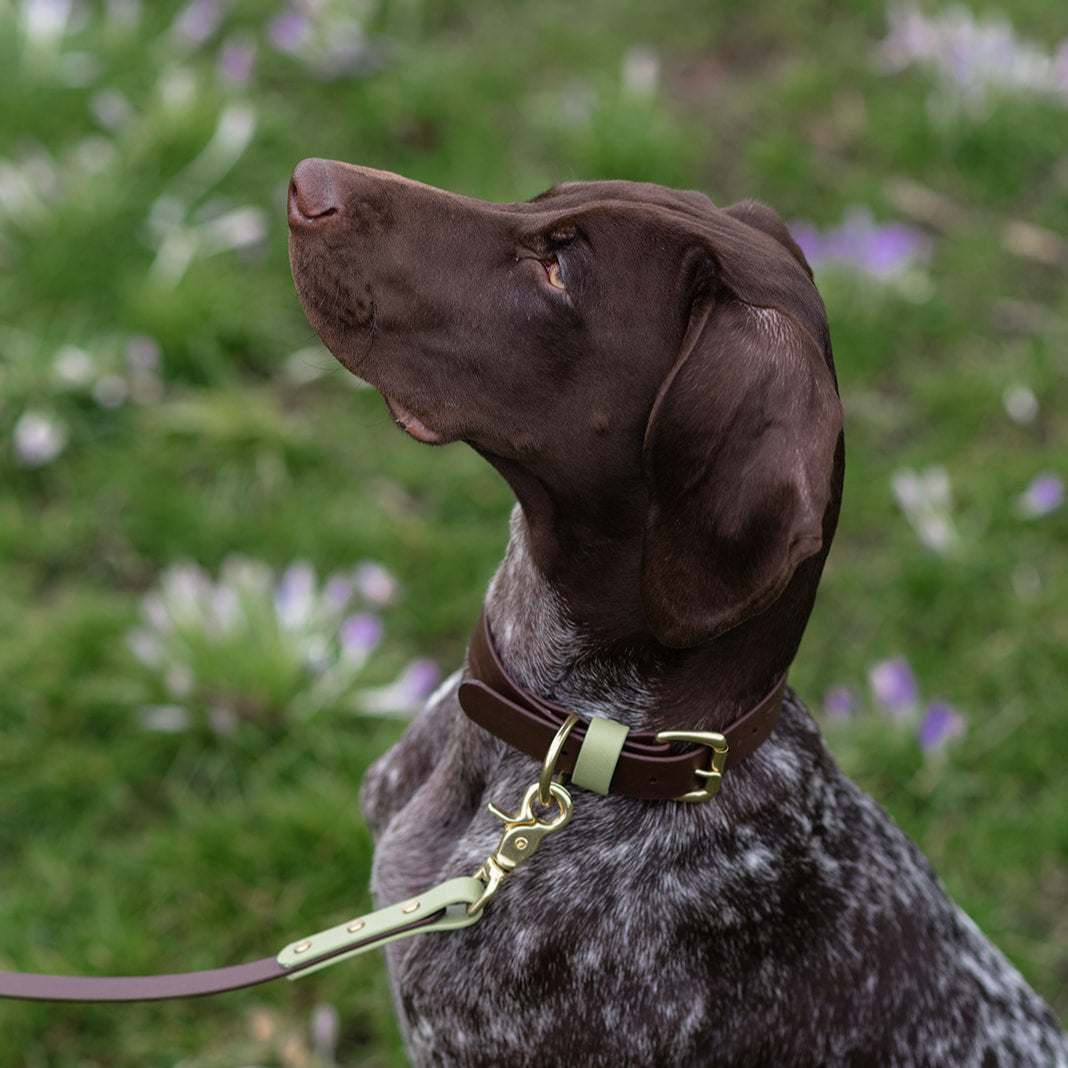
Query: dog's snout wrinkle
{"type": "Point", "coordinates": [313, 192]}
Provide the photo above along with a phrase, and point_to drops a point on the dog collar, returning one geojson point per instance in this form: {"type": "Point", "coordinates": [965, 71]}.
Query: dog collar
{"type": "Point", "coordinates": [603, 755]}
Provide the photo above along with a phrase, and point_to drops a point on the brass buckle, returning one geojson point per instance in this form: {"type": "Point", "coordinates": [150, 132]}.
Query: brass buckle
{"type": "Point", "coordinates": [717, 759]}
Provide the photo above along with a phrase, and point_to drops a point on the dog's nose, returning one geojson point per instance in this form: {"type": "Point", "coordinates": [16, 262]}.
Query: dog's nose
{"type": "Point", "coordinates": [312, 192]}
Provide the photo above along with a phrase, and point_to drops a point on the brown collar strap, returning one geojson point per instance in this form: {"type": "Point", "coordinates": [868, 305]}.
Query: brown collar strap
{"type": "Point", "coordinates": [649, 765]}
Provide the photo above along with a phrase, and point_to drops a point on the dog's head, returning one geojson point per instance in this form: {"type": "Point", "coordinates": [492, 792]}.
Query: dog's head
{"type": "Point", "coordinates": [642, 367]}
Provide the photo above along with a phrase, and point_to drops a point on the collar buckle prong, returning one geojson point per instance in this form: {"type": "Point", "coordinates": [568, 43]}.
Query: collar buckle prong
{"type": "Point", "coordinates": [713, 774]}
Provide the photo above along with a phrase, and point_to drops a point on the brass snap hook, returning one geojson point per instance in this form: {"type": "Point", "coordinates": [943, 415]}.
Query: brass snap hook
{"type": "Point", "coordinates": [552, 756]}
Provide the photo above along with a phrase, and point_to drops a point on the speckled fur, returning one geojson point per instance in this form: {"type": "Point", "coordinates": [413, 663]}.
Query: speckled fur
{"type": "Point", "coordinates": [788, 923]}
{"type": "Point", "coordinates": [672, 430]}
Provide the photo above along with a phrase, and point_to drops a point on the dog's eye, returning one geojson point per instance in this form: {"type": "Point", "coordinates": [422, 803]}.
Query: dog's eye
{"type": "Point", "coordinates": [555, 274]}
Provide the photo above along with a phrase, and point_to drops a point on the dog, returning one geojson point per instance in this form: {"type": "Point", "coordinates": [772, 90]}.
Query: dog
{"type": "Point", "coordinates": [653, 377]}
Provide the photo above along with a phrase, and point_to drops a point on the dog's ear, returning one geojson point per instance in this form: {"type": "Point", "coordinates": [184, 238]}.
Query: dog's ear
{"type": "Point", "coordinates": [739, 454]}
{"type": "Point", "coordinates": [767, 221]}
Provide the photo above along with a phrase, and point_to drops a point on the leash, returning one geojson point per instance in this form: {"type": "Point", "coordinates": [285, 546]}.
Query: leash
{"type": "Point", "coordinates": [444, 908]}
{"type": "Point", "coordinates": [603, 756]}
{"type": "Point", "coordinates": [450, 906]}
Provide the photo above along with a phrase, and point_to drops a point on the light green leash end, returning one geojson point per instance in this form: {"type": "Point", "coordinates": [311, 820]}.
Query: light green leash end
{"type": "Point", "coordinates": [452, 899]}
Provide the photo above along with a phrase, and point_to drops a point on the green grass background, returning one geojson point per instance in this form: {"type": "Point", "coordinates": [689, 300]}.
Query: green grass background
{"type": "Point", "coordinates": [123, 850]}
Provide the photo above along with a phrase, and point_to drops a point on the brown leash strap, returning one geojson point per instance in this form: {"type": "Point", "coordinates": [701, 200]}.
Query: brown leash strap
{"type": "Point", "coordinates": [647, 768]}
{"type": "Point", "coordinates": [25, 986]}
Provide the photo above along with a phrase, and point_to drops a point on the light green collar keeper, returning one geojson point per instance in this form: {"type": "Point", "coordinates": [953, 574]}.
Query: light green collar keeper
{"type": "Point", "coordinates": [599, 754]}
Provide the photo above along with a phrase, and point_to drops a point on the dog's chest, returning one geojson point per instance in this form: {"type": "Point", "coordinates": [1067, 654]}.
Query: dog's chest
{"type": "Point", "coordinates": [644, 934]}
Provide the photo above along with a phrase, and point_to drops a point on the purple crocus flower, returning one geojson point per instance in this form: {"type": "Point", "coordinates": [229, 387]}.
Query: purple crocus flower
{"type": "Point", "coordinates": [880, 251]}
{"type": "Point", "coordinates": [337, 591]}
{"type": "Point", "coordinates": [376, 583]}
{"type": "Point", "coordinates": [420, 678]}
{"type": "Point", "coordinates": [810, 240]}
{"type": "Point", "coordinates": [406, 693]}
{"type": "Point", "coordinates": [295, 597]}
{"type": "Point", "coordinates": [237, 59]}
{"type": "Point", "coordinates": [886, 250]}
{"type": "Point", "coordinates": [289, 31]}
{"type": "Point", "coordinates": [46, 21]}
{"type": "Point", "coordinates": [39, 438]}
{"type": "Point", "coordinates": [359, 634]}
{"type": "Point", "coordinates": [1045, 494]}
{"type": "Point", "coordinates": [839, 703]}
{"type": "Point", "coordinates": [199, 21]}
{"type": "Point", "coordinates": [894, 687]}
{"type": "Point", "coordinates": [972, 54]}
{"type": "Point", "coordinates": [941, 723]}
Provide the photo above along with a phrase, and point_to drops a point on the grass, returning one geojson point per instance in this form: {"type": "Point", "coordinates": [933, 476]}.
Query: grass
{"type": "Point", "coordinates": [187, 430]}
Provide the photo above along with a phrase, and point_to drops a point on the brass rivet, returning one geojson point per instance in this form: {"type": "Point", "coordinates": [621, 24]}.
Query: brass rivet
{"type": "Point", "coordinates": [410, 907]}
{"type": "Point", "coordinates": [521, 844]}
{"type": "Point", "coordinates": [302, 947]}
{"type": "Point", "coordinates": [356, 925]}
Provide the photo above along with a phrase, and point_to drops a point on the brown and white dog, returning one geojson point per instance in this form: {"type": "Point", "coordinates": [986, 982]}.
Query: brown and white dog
{"type": "Point", "coordinates": [653, 377]}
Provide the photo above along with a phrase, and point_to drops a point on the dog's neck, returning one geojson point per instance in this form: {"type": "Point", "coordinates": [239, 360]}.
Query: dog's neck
{"type": "Point", "coordinates": [547, 650]}
{"type": "Point", "coordinates": [555, 649]}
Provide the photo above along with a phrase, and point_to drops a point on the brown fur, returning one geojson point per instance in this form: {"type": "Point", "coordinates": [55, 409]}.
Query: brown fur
{"type": "Point", "coordinates": [670, 425]}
